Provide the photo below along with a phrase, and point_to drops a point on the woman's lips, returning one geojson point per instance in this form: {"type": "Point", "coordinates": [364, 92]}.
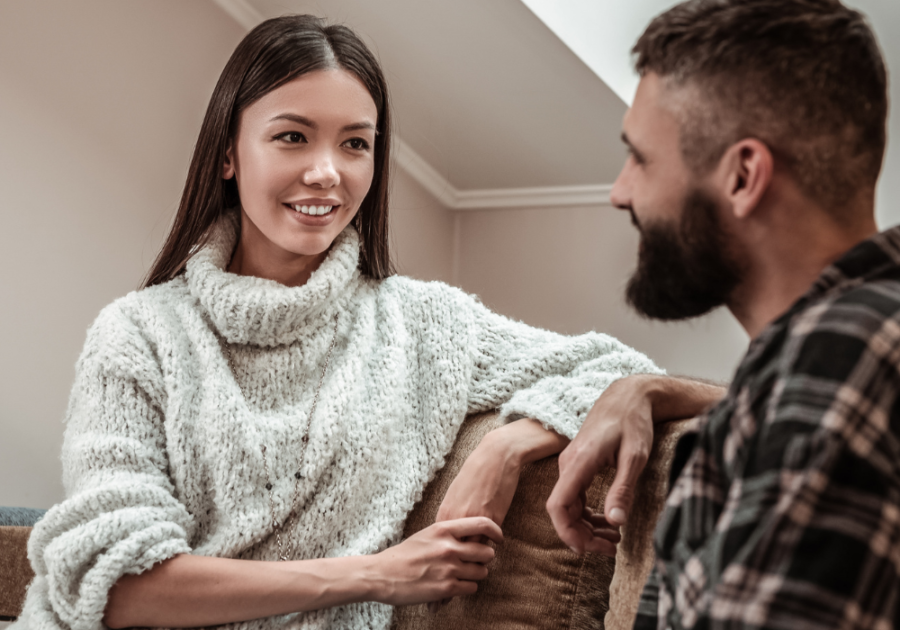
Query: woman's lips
{"type": "Point", "coordinates": [309, 219]}
{"type": "Point", "coordinates": [312, 210]}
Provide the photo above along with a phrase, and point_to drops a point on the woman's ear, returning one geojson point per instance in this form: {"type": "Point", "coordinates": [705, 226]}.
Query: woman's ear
{"type": "Point", "coordinates": [228, 166]}
{"type": "Point", "coordinates": [748, 167]}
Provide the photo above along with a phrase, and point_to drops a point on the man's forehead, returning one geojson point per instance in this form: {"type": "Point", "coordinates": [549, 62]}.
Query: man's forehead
{"type": "Point", "coordinates": [652, 113]}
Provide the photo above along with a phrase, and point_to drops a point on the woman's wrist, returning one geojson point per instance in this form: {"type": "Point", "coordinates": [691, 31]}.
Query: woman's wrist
{"type": "Point", "coordinates": [523, 441]}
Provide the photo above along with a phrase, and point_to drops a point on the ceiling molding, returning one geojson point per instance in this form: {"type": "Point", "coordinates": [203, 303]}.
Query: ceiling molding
{"type": "Point", "coordinates": [450, 197]}
{"type": "Point", "coordinates": [485, 199]}
{"type": "Point", "coordinates": [242, 11]}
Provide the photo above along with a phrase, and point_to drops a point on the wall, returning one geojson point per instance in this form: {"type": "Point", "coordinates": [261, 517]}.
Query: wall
{"type": "Point", "coordinates": [565, 269]}
{"type": "Point", "coordinates": [101, 103]}
{"type": "Point", "coordinates": [422, 231]}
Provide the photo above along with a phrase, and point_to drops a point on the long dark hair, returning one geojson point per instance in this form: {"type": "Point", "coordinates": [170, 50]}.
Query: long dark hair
{"type": "Point", "coordinates": [275, 52]}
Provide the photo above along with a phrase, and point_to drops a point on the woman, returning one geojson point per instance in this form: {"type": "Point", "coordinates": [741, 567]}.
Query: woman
{"type": "Point", "coordinates": [275, 394]}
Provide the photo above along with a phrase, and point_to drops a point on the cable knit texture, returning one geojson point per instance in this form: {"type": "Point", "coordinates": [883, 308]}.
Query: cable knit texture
{"type": "Point", "coordinates": [162, 451]}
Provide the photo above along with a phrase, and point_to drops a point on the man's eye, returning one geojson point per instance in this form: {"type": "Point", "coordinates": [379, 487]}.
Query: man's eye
{"type": "Point", "coordinates": [358, 144]}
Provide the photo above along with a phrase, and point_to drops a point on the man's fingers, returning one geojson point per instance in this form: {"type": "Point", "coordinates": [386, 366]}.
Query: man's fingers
{"type": "Point", "coordinates": [601, 546]}
{"type": "Point", "coordinates": [632, 459]}
{"type": "Point", "coordinates": [566, 507]}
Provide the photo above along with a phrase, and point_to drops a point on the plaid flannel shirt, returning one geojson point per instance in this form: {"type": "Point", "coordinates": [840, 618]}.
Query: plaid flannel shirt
{"type": "Point", "coordinates": [784, 510]}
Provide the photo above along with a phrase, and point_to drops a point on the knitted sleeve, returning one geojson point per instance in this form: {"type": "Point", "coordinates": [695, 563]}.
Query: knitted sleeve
{"type": "Point", "coordinates": [120, 515]}
{"type": "Point", "coordinates": [535, 373]}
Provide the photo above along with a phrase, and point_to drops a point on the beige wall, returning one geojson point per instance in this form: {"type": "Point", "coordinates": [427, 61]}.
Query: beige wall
{"type": "Point", "coordinates": [421, 231]}
{"type": "Point", "coordinates": [565, 269]}
{"type": "Point", "coordinates": [101, 104]}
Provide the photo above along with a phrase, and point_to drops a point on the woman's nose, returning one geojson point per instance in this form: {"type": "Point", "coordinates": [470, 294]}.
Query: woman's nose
{"type": "Point", "coordinates": [322, 172]}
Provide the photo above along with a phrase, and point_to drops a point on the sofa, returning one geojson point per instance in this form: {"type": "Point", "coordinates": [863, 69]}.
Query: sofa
{"type": "Point", "coordinates": [535, 581]}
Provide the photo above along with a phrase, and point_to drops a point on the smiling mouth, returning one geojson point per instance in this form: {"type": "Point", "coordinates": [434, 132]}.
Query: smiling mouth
{"type": "Point", "coordinates": [313, 211]}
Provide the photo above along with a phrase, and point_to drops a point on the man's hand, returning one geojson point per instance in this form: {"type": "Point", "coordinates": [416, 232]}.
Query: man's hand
{"type": "Point", "coordinates": [618, 431]}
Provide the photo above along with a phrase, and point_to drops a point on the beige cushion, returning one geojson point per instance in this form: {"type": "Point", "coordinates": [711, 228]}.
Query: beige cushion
{"type": "Point", "coordinates": [635, 555]}
{"type": "Point", "coordinates": [15, 572]}
{"type": "Point", "coordinates": [535, 580]}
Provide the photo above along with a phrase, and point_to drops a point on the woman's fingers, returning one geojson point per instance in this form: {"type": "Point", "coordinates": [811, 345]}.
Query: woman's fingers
{"type": "Point", "coordinates": [476, 552]}
{"type": "Point", "coordinates": [471, 571]}
{"type": "Point", "coordinates": [472, 526]}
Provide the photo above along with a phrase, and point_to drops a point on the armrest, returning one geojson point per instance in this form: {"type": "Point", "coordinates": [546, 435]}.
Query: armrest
{"type": "Point", "coordinates": [15, 571]}
{"type": "Point", "coordinates": [536, 581]}
{"type": "Point", "coordinates": [635, 555]}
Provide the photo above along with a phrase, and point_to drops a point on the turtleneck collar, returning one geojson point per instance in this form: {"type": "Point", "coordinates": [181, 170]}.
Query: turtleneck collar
{"type": "Point", "coordinates": [246, 309]}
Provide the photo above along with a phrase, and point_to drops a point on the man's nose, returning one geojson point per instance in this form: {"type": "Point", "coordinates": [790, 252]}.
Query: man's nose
{"type": "Point", "coordinates": [620, 195]}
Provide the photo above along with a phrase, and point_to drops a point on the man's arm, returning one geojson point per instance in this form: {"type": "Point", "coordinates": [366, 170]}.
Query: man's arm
{"type": "Point", "coordinates": [618, 432]}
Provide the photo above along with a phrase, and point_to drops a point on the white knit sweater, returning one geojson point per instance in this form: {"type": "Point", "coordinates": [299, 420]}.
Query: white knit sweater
{"type": "Point", "coordinates": [162, 451]}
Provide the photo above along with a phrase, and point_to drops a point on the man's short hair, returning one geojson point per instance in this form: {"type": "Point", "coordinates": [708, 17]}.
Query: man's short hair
{"type": "Point", "coordinates": [806, 77]}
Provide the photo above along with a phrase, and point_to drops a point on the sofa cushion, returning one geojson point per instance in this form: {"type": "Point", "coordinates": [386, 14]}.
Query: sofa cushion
{"type": "Point", "coordinates": [15, 572]}
{"type": "Point", "coordinates": [535, 581]}
{"type": "Point", "coordinates": [20, 517]}
{"type": "Point", "coordinates": [635, 555]}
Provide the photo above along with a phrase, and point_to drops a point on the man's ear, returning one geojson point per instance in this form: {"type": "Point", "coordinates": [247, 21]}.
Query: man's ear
{"type": "Point", "coordinates": [228, 166]}
{"type": "Point", "coordinates": [747, 169]}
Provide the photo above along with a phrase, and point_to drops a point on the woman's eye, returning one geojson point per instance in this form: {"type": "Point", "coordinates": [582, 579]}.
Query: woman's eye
{"type": "Point", "coordinates": [294, 137]}
{"type": "Point", "coordinates": [358, 144]}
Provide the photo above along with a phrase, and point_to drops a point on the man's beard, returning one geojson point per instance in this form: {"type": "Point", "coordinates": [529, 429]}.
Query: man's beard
{"type": "Point", "coordinates": [683, 271]}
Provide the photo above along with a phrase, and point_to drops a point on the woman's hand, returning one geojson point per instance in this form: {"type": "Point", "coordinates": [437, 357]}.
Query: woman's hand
{"type": "Point", "coordinates": [439, 562]}
{"type": "Point", "coordinates": [488, 480]}
{"type": "Point", "coordinates": [485, 484]}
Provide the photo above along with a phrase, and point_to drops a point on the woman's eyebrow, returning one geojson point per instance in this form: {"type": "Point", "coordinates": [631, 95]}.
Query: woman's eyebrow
{"type": "Point", "coordinates": [303, 120]}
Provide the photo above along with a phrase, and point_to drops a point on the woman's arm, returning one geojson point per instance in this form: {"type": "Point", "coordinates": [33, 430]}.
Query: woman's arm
{"type": "Point", "coordinates": [192, 591]}
{"type": "Point", "coordinates": [488, 479]}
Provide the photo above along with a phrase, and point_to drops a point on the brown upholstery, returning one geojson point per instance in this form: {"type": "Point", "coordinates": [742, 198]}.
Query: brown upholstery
{"type": "Point", "coordinates": [535, 580]}
{"type": "Point", "coordinates": [634, 557]}
{"type": "Point", "coordinates": [15, 572]}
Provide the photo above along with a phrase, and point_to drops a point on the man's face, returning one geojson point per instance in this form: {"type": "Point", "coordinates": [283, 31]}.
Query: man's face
{"type": "Point", "coordinates": [685, 268]}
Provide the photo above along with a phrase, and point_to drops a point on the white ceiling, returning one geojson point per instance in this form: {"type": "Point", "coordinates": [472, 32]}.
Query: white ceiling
{"type": "Point", "coordinates": [483, 90]}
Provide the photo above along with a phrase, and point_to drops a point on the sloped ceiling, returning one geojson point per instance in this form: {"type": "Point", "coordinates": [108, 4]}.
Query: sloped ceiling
{"type": "Point", "coordinates": [483, 91]}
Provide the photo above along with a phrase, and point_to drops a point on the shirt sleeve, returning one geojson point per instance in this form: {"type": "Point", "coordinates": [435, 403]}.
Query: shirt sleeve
{"type": "Point", "coordinates": [120, 515]}
{"type": "Point", "coordinates": [535, 373]}
{"type": "Point", "coordinates": [809, 532]}
{"type": "Point", "coordinates": [648, 606]}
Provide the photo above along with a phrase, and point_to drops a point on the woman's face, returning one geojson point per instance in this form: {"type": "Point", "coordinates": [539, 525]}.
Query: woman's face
{"type": "Point", "coordinates": [303, 159]}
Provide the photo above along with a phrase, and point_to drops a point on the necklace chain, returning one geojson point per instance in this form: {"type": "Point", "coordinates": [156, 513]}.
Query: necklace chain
{"type": "Point", "coordinates": [287, 553]}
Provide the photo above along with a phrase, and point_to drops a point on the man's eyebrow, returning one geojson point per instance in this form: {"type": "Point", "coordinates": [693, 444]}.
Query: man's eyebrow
{"type": "Point", "coordinates": [637, 154]}
{"type": "Point", "coordinates": [303, 120]}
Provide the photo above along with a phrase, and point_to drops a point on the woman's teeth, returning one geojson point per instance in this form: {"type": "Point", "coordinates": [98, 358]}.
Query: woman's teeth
{"type": "Point", "coordinates": [313, 210]}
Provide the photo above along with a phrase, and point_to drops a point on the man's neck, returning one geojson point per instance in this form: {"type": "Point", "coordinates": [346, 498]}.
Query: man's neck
{"type": "Point", "coordinates": [785, 259]}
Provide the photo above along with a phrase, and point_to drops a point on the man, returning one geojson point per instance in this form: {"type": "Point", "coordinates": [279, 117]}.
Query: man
{"type": "Point", "coordinates": [756, 139]}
